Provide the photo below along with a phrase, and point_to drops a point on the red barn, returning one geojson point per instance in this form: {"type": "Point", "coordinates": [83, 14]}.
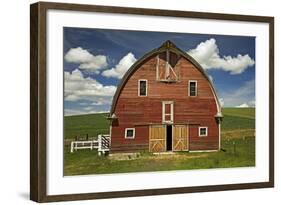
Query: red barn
{"type": "Point", "coordinates": [165, 102]}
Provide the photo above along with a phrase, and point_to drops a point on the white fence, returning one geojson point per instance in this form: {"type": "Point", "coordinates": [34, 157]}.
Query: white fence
{"type": "Point", "coordinates": [102, 144]}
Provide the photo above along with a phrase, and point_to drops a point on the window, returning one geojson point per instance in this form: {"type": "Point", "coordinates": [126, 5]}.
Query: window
{"type": "Point", "coordinates": [192, 88]}
{"type": "Point", "coordinates": [203, 131]}
{"type": "Point", "coordinates": [130, 133]}
{"type": "Point", "coordinates": [142, 87]}
{"type": "Point", "coordinates": [168, 111]}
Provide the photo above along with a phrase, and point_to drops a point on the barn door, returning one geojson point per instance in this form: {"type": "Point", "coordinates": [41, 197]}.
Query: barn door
{"type": "Point", "coordinates": [180, 137]}
{"type": "Point", "coordinates": [157, 138]}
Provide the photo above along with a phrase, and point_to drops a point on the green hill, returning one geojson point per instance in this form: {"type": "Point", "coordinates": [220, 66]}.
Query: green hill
{"type": "Point", "coordinates": [80, 125]}
{"type": "Point", "coordinates": [240, 112]}
{"type": "Point", "coordinates": [94, 124]}
{"type": "Point", "coordinates": [238, 118]}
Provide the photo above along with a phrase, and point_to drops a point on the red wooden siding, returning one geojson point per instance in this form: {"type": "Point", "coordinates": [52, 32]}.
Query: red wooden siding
{"type": "Point", "coordinates": [138, 112]}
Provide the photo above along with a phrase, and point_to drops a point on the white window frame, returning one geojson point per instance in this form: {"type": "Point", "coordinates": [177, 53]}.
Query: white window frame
{"type": "Point", "coordinates": [171, 103]}
{"type": "Point", "coordinates": [196, 87]}
{"type": "Point", "coordinates": [145, 87]}
{"type": "Point", "coordinates": [134, 131]}
{"type": "Point", "coordinates": [199, 133]}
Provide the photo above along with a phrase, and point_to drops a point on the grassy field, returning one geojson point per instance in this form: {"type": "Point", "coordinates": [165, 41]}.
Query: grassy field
{"type": "Point", "coordinates": [81, 125]}
{"type": "Point", "coordinates": [238, 141]}
{"type": "Point", "coordinates": [238, 118]}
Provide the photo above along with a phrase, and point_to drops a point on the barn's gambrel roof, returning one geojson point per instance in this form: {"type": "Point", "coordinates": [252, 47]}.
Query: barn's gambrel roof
{"type": "Point", "coordinates": [172, 47]}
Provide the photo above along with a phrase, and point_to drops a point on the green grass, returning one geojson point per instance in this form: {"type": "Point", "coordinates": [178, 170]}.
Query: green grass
{"type": "Point", "coordinates": [240, 112]}
{"type": "Point", "coordinates": [81, 125]}
{"type": "Point", "coordinates": [240, 154]}
{"type": "Point", "coordinates": [238, 141]}
{"type": "Point", "coordinates": [238, 118]}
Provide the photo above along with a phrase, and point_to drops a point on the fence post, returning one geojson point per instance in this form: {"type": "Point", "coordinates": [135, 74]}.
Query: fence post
{"type": "Point", "coordinates": [91, 145]}
{"type": "Point", "coordinates": [99, 145]}
{"type": "Point", "coordinates": [71, 147]}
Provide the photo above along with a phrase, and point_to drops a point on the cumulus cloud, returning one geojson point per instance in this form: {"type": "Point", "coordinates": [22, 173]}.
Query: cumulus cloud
{"type": "Point", "coordinates": [207, 54]}
{"type": "Point", "coordinates": [251, 103]}
{"type": "Point", "coordinates": [76, 87]}
{"type": "Point", "coordinates": [86, 60]}
{"type": "Point", "coordinates": [121, 68]}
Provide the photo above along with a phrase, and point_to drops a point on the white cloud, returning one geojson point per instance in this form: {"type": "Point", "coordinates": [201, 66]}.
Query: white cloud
{"type": "Point", "coordinates": [88, 108]}
{"type": "Point", "coordinates": [86, 60]}
{"type": "Point", "coordinates": [244, 94]}
{"type": "Point", "coordinates": [121, 68]}
{"type": "Point", "coordinates": [244, 105]}
{"type": "Point", "coordinates": [102, 101]}
{"type": "Point", "coordinates": [76, 87]}
{"type": "Point", "coordinates": [207, 54]}
{"type": "Point", "coordinates": [251, 103]}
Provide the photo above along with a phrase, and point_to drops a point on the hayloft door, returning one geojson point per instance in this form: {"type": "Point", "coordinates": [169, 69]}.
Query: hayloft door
{"type": "Point", "coordinates": [180, 137]}
{"type": "Point", "coordinates": [157, 138]}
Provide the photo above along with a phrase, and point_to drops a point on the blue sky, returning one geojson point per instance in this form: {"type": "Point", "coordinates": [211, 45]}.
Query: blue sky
{"type": "Point", "coordinates": [96, 59]}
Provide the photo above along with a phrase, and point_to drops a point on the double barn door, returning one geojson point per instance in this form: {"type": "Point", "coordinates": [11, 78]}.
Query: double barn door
{"type": "Point", "coordinates": [158, 138]}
